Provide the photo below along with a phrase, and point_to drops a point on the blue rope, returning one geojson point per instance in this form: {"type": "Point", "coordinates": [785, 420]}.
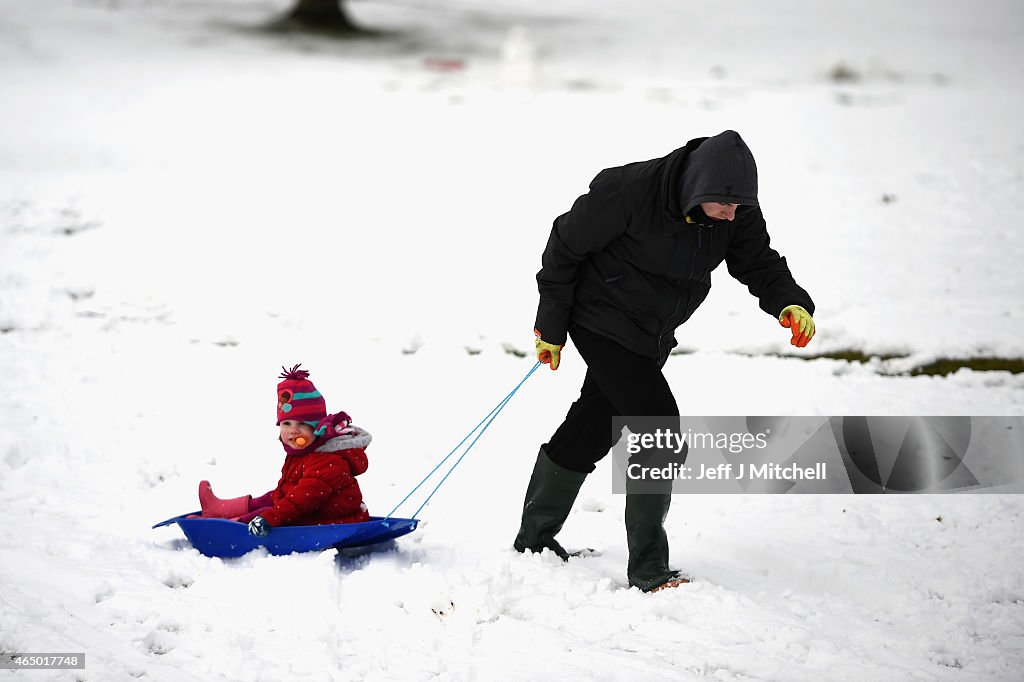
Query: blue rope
{"type": "Point", "coordinates": [491, 416]}
{"type": "Point", "coordinates": [450, 453]}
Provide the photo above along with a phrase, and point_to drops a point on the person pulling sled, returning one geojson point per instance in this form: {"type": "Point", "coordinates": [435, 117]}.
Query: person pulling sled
{"type": "Point", "coordinates": [629, 263]}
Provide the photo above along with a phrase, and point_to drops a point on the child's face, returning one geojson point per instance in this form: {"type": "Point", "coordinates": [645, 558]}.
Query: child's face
{"type": "Point", "coordinates": [292, 430]}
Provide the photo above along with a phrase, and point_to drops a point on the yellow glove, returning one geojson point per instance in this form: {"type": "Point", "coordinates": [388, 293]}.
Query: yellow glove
{"type": "Point", "coordinates": [548, 353]}
{"type": "Point", "coordinates": [800, 323]}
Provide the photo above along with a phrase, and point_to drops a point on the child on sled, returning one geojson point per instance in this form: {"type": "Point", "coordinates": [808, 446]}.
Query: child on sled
{"type": "Point", "coordinates": [324, 454]}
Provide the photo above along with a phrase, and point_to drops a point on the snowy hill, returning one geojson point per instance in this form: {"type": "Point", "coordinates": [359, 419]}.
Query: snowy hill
{"type": "Point", "coordinates": [187, 202]}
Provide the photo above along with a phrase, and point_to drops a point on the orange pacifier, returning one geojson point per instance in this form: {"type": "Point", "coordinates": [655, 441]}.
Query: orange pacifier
{"type": "Point", "coordinates": [301, 441]}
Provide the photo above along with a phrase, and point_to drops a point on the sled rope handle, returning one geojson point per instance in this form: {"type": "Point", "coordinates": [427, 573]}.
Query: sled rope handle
{"type": "Point", "coordinates": [485, 422]}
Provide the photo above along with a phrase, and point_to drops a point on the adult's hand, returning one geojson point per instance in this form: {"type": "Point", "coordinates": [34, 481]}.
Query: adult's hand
{"type": "Point", "coordinates": [548, 353]}
{"type": "Point", "coordinates": [800, 322]}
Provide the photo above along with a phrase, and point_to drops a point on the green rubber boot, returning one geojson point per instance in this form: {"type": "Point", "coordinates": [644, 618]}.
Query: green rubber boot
{"type": "Point", "coordinates": [647, 542]}
{"type": "Point", "coordinates": [549, 497]}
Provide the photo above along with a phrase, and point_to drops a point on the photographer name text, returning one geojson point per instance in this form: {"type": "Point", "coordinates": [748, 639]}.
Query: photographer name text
{"type": "Point", "coordinates": [729, 472]}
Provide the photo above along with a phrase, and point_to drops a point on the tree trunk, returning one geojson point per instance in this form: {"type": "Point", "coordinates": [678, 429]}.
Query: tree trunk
{"type": "Point", "coordinates": [326, 14]}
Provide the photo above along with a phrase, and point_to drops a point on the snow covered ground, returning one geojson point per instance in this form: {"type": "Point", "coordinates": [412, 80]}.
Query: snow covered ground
{"type": "Point", "coordinates": [187, 203]}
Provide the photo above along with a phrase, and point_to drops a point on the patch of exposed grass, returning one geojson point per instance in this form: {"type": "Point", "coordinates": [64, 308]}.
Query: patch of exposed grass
{"type": "Point", "coordinates": [946, 366]}
{"type": "Point", "coordinates": [848, 355]}
{"type": "Point", "coordinates": [852, 356]}
{"type": "Point", "coordinates": [940, 367]}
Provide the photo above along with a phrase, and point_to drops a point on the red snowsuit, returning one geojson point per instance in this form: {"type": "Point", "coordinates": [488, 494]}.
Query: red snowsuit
{"type": "Point", "coordinates": [320, 486]}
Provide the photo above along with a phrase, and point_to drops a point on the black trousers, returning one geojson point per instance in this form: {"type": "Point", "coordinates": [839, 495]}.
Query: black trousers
{"type": "Point", "coordinates": [618, 382]}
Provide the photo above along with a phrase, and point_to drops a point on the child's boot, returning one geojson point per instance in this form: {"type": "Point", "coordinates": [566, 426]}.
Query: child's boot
{"type": "Point", "coordinates": [214, 507]}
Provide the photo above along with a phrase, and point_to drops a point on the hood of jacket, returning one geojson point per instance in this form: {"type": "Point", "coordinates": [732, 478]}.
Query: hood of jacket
{"type": "Point", "coordinates": [352, 438]}
{"type": "Point", "coordinates": [719, 168]}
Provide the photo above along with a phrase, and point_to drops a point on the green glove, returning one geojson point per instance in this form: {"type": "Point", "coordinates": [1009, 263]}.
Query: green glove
{"type": "Point", "coordinates": [800, 323]}
{"type": "Point", "coordinates": [548, 353]}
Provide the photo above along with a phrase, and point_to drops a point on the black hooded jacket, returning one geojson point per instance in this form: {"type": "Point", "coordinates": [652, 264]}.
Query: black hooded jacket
{"type": "Point", "coordinates": [632, 259]}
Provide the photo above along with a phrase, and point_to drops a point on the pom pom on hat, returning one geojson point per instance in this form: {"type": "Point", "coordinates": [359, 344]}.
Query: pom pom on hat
{"type": "Point", "coordinates": [298, 399]}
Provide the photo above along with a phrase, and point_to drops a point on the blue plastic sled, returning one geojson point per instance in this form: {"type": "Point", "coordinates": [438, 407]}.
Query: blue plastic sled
{"type": "Point", "coordinates": [227, 539]}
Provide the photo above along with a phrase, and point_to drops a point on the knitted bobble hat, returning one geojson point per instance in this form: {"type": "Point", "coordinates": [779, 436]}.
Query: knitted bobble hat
{"type": "Point", "coordinates": [298, 399]}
